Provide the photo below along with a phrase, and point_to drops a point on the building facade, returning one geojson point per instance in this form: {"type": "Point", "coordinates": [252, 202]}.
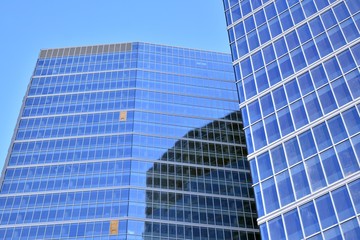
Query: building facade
{"type": "Point", "coordinates": [297, 75]}
{"type": "Point", "coordinates": [129, 141]}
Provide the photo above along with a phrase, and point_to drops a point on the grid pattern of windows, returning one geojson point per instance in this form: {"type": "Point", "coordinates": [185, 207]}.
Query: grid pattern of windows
{"type": "Point", "coordinates": [296, 66]}
{"type": "Point", "coordinates": [143, 143]}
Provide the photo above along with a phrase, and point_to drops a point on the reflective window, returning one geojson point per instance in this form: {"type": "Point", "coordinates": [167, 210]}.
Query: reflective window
{"type": "Point", "coordinates": [292, 223]}
{"type": "Point", "coordinates": [276, 228]}
{"type": "Point", "coordinates": [342, 203]}
{"type": "Point", "coordinates": [284, 186]}
{"type": "Point", "coordinates": [331, 166]}
{"type": "Point", "coordinates": [301, 185]}
{"type": "Point", "coordinates": [309, 219]}
{"type": "Point", "coordinates": [326, 211]}
{"type": "Point", "coordinates": [315, 173]}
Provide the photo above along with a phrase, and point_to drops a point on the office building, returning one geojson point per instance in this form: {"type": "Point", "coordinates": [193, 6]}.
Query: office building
{"type": "Point", "coordinates": [297, 74]}
{"type": "Point", "coordinates": [129, 141]}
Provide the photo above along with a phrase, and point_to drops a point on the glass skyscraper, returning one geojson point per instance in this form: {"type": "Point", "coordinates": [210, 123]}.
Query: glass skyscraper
{"type": "Point", "coordinates": [297, 75]}
{"type": "Point", "coordinates": [128, 141]}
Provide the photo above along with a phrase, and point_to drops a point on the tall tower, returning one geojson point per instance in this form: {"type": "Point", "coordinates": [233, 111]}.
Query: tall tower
{"type": "Point", "coordinates": [297, 75]}
{"type": "Point", "coordinates": [128, 141]}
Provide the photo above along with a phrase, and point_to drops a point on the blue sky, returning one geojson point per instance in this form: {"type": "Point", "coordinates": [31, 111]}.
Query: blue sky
{"type": "Point", "coordinates": [28, 26]}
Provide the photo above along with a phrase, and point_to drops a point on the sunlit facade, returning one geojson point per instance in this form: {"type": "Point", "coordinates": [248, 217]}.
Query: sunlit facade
{"type": "Point", "coordinates": [129, 141]}
{"type": "Point", "coordinates": [297, 74]}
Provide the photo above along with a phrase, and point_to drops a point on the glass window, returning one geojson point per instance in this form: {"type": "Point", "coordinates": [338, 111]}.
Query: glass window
{"type": "Point", "coordinates": [260, 17]}
{"type": "Point", "coordinates": [304, 33]}
{"type": "Point", "coordinates": [259, 202]}
{"type": "Point", "coordinates": [267, 105]}
{"type": "Point", "coordinates": [279, 97]}
{"type": "Point", "coordinates": [285, 121]}
{"type": "Point", "coordinates": [250, 88]}
{"type": "Point", "coordinates": [332, 68]}
{"type": "Point", "coordinates": [263, 232]}
{"type": "Point", "coordinates": [327, 99]}
{"type": "Point", "coordinates": [331, 166]}
{"type": "Point", "coordinates": [239, 30]}
{"type": "Point", "coordinates": [244, 116]}
{"type": "Point", "coordinates": [342, 203]}
{"type": "Point", "coordinates": [298, 59]}
{"type": "Point", "coordinates": [292, 90]}
{"type": "Point", "coordinates": [356, 142]}
{"type": "Point", "coordinates": [254, 173]}
{"type": "Point", "coordinates": [320, 4]}
{"type": "Point", "coordinates": [292, 223]}
{"type": "Point", "coordinates": [337, 128]}
{"type": "Point", "coordinates": [310, 51]}
{"type": "Point", "coordinates": [280, 47]}
{"type": "Point", "coordinates": [309, 218]}
{"type": "Point", "coordinates": [278, 158]}
{"type": "Point", "coordinates": [307, 144]}
{"type": "Point", "coordinates": [323, 44]}
{"type": "Point", "coordinates": [328, 18]}
{"type": "Point", "coordinates": [242, 46]}
{"type": "Point", "coordinates": [275, 28]}
{"type": "Point", "coordinates": [326, 211]}
{"type": "Point", "coordinates": [272, 129]}
{"type": "Point", "coordinates": [292, 40]}
{"type": "Point", "coordinates": [292, 151]}
{"type": "Point", "coordinates": [341, 91]}
{"type": "Point", "coordinates": [336, 37]}
{"type": "Point", "coordinates": [253, 40]}
{"type": "Point", "coordinates": [269, 54]}
{"type": "Point", "coordinates": [349, 29]}
{"type": "Point", "coordinates": [353, 6]}
{"type": "Point", "coordinates": [246, 68]}
{"type": "Point", "coordinates": [341, 11]}
{"type": "Point", "coordinates": [312, 106]}
{"type": "Point", "coordinates": [270, 11]}
{"type": "Point", "coordinates": [271, 202]}
{"type": "Point", "coordinates": [249, 143]}
{"type": "Point", "coordinates": [298, 113]}
{"type": "Point", "coordinates": [354, 188]}
{"type": "Point", "coordinates": [276, 228]}
{"type": "Point", "coordinates": [284, 186]}
{"type": "Point", "coordinates": [316, 26]}
{"type": "Point", "coordinates": [254, 110]}
{"type": "Point", "coordinates": [264, 164]}
{"type": "Point", "coordinates": [347, 158]}
{"type": "Point", "coordinates": [257, 60]}
{"type": "Point", "coordinates": [319, 76]}
{"type": "Point", "coordinates": [264, 34]}
{"type": "Point", "coordinates": [261, 80]}
{"type": "Point", "coordinates": [352, 120]}
{"type": "Point", "coordinates": [351, 229]}
{"type": "Point", "coordinates": [315, 173]}
{"type": "Point", "coordinates": [322, 136]}
{"type": "Point", "coordinates": [346, 61]}
{"type": "Point", "coordinates": [333, 233]}
{"type": "Point", "coordinates": [249, 24]}
{"type": "Point", "coordinates": [286, 21]}
{"type": "Point", "coordinates": [353, 80]}
{"type": "Point", "coordinates": [301, 185]}
{"type": "Point", "coordinates": [309, 7]}
{"type": "Point", "coordinates": [273, 73]}
{"type": "Point", "coordinates": [235, 12]}
{"type": "Point", "coordinates": [286, 66]}
{"type": "Point", "coordinates": [297, 13]}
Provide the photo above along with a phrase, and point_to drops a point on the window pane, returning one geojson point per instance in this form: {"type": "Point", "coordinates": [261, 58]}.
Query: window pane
{"type": "Point", "coordinates": [272, 129]}
{"type": "Point", "coordinates": [292, 90]}
{"type": "Point", "coordinates": [271, 201]}
{"type": "Point", "coordinates": [276, 228]}
{"type": "Point", "coordinates": [292, 151]}
{"type": "Point", "coordinates": [355, 194]}
{"type": "Point", "coordinates": [351, 229]}
{"type": "Point", "coordinates": [326, 211]}
{"type": "Point", "coordinates": [315, 173]}
{"type": "Point", "coordinates": [309, 218]}
{"type": "Point", "coordinates": [279, 97]}
{"type": "Point", "coordinates": [341, 91]}
{"type": "Point", "coordinates": [312, 107]}
{"type": "Point", "coordinates": [293, 227]}
{"type": "Point", "coordinates": [352, 120]}
{"type": "Point", "coordinates": [307, 144]}
{"type": "Point", "coordinates": [301, 185]}
{"type": "Point", "coordinates": [331, 166]}
{"type": "Point", "coordinates": [327, 99]}
{"type": "Point", "coordinates": [264, 164]}
{"type": "Point", "coordinates": [337, 129]}
{"type": "Point", "coordinates": [278, 158]}
{"type": "Point", "coordinates": [347, 158]}
{"type": "Point", "coordinates": [267, 105]}
{"type": "Point", "coordinates": [322, 136]}
{"type": "Point", "coordinates": [285, 121]}
{"type": "Point", "coordinates": [298, 113]}
{"type": "Point", "coordinates": [286, 194]}
{"type": "Point", "coordinates": [259, 135]}
{"type": "Point", "coordinates": [333, 233]}
{"type": "Point", "coordinates": [342, 203]}
{"type": "Point", "coordinates": [353, 80]}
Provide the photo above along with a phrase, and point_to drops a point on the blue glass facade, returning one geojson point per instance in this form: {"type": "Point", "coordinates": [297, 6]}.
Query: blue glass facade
{"type": "Point", "coordinates": [129, 141]}
{"type": "Point", "coordinates": [297, 75]}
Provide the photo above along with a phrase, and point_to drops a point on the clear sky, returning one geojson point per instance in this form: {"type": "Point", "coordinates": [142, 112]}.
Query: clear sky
{"type": "Point", "coordinates": [28, 26]}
